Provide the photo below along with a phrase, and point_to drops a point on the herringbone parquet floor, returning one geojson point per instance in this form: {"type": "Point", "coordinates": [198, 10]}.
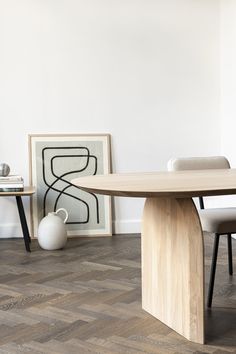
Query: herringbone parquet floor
{"type": "Point", "coordinates": [86, 299]}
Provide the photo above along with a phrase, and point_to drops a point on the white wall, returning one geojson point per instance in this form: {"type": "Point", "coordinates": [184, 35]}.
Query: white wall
{"type": "Point", "coordinates": [228, 79]}
{"type": "Point", "coordinates": [146, 71]}
{"type": "Point", "coordinates": [228, 85]}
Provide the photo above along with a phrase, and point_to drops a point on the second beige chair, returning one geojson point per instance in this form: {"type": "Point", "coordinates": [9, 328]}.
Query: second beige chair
{"type": "Point", "coordinates": [220, 221]}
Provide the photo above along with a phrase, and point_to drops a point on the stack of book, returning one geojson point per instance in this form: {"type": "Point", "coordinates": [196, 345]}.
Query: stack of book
{"type": "Point", "coordinates": [11, 183]}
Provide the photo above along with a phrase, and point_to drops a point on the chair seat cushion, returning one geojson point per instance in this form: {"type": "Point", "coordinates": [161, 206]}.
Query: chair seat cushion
{"type": "Point", "coordinates": [219, 220]}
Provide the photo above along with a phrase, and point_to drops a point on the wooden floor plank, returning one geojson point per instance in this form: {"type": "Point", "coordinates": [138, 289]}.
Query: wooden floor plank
{"type": "Point", "coordinates": [87, 299]}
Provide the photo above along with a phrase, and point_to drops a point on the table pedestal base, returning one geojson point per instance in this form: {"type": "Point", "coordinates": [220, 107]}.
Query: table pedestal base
{"type": "Point", "coordinates": [173, 265]}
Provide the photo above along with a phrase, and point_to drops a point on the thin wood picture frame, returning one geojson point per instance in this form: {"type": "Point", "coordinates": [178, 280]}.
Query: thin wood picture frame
{"type": "Point", "coordinates": [56, 159]}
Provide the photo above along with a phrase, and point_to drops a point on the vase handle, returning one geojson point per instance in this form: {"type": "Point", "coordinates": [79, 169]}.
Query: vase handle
{"type": "Point", "coordinates": [65, 211]}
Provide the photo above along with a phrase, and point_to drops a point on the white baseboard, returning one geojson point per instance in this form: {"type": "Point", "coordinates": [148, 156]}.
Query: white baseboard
{"type": "Point", "coordinates": [10, 230]}
{"type": "Point", "coordinates": [13, 230]}
{"type": "Point", "coordinates": [126, 226]}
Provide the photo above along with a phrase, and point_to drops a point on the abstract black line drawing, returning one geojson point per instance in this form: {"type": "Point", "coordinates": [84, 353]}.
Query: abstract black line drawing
{"type": "Point", "coordinates": [55, 161]}
{"type": "Point", "coordinates": [67, 182]}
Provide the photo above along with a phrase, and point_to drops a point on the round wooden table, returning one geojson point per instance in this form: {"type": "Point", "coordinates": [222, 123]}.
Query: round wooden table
{"type": "Point", "coordinates": [172, 239]}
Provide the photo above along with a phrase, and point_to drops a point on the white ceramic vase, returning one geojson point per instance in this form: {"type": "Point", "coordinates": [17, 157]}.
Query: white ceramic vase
{"type": "Point", "coordinates": [52, 233]}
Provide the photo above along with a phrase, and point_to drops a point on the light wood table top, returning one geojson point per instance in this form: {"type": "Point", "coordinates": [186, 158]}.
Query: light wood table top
{"type": "Point", "coordinates": [26, 191]}
{"type": "Point", "coordinates": [179, 184]}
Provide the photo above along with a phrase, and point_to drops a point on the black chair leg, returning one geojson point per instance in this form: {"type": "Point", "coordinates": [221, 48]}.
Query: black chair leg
{"type": "Point", "coordinates": [213, 270]}
{"type": "Point", "coordinates": [230, 258]}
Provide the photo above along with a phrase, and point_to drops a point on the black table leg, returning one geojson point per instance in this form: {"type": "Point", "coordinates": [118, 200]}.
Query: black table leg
{"type": "Point", "coordinates": [23, 223]}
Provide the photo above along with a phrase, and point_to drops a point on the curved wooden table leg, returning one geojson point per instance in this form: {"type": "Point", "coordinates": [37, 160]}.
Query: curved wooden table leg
{"type": "Point", "coordinates": [173, 265]}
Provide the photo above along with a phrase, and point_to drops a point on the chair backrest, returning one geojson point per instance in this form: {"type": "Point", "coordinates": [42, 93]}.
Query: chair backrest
{"type": "Point", "coordinates": [198, 163]}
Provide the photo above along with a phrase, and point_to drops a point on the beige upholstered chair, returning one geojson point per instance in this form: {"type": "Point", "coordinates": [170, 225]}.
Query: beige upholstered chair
{"type": "Point", "coordinates": [220, 221]}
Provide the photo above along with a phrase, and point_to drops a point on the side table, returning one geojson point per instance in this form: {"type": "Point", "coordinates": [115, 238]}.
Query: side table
{"type": "Point", "coordinates": [28, 191]}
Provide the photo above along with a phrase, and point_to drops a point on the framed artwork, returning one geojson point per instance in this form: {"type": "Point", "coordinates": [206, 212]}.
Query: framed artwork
{"type": "Point", "coordinates": [54, 161]}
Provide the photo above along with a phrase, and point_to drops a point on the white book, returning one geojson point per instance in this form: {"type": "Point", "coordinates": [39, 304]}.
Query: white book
{"type": "Point", "coordinates": [11, 182]}
{"type": "Point", "coordinates": [11, 178]}
{"type": "Point", "coordinates": [11, 190]}
{"type": "Point", "coordinates": [11, 185]}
